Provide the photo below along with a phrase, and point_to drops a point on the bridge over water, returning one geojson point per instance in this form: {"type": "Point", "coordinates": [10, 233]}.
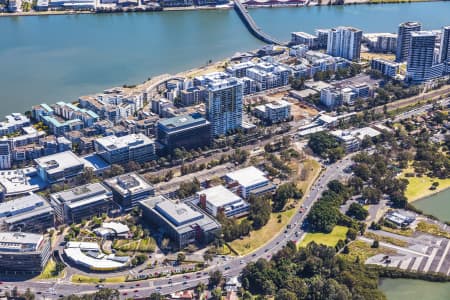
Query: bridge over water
{"type": "Point", "coordinates": [253, 27]}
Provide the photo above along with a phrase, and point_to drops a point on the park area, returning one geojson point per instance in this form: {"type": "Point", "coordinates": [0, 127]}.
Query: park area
{"type": "Point", "coordinates": [327, 239]}
{"type": "Point", "coordinates": [419, 187]}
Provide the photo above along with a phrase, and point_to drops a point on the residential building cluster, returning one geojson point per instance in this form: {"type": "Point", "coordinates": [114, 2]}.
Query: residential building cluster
{"type": "Point", "coordinates": [347, 91]}
{"type": "Point", "coordinates": [425, 52]}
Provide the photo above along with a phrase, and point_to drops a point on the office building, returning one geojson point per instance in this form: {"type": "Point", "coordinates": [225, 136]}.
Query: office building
{"type": "Point", "coordinates": [23, 252]}
{"type": "Point", "coordinates": [249, 181]}
{"type": "Point", "coordinates": [274, 112]}
{"type": "Point", "coordinates": [444, 54]}
{"type": "Point", "coordinates": [183, 223]}
{"type": "Point", "coordinates": [218, 199]}
{"type": "Point", "coordinates": [123, 149]}
{"type": "Point", "coordinates": [186, 131]}
{"type": "Point", "coordinates": [404, 39]}
{"type": "Point", "coordinates": [345, 42]}
{"type": "Point", "coordinates": [304, 38]}
{"type": "Point", "coordinates": [224, 105]}
{"type": "Point", "coordinates": [59, 167]}
{"type": "Point", "coordinates": [129, 189]}
{"type": "Point", "coordinates": [386, 67]}
{"type": "Point", "coordinates": [30, 213]}
{"type": "Point", "coordinates": [421, 64]}
{"type": "Point", "coordinates": [81, 203]}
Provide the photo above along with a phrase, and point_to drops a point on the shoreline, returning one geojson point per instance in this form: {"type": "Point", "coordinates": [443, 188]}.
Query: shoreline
{"type": "Point", "coordinates": [221, 7]}
{"type": "Point", "coordinates": [432, 193]}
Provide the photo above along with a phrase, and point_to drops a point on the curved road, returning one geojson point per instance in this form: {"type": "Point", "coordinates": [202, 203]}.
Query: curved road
{"type": "Point", "coordinates": [229, 266]}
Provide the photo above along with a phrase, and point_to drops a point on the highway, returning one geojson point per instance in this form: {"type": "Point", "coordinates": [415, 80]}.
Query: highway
{"type": "Point", "coordinates": [229, 266]}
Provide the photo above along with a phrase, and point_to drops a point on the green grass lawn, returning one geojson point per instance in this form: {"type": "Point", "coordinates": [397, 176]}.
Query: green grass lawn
{"type": "Point", "coordinates": [261, 236]}
{"type": "Point", "coordinates": [142, 245]}
{"type": "Point", "coordinates": [87, 279]}
{"type": "Point", "coordinates": [49, 271]}
{"type": "Point", "coordinates": [419, 187]}
{"type": "Point", "coordinates": [327, 239]}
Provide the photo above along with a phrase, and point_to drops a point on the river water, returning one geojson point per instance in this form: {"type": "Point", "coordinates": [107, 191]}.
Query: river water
{"type": "Point", "coordinates": [437, 205]}
{"type": "Point", "coordinates": [53, 58]}
{"type": "Point", "coordinates": [402, 289]}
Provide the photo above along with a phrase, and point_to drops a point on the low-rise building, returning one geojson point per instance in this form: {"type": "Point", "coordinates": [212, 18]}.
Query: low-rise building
{"type": "Point", "coordinates": [13, 123]}
{"type": "Point", "coordinates": [59, 167]}
{"type": "Point", "coordinates": [30, 213]}
{"type": "Point", "coordinates": [89, 255]}
{"type": "Point", "coordinates": [81, 203]}
{"type": "Point", "coordinates": [274, 112]}
{"type": "Point", "coordinates": [386, 67]}
{"type": "Point", "coordinates": [129, 189]}
{"type": "Point", "coordinates": [249, 181]}
{"type": "Point", "coordinates": [184, 223]}
{"type": "Point", "coordinates": [219, 199]}
{"type": "Point", "coordinates": [23, 252]}
{"type": "Point", "coordinates": [121, 150]}
{"type": "Point", "coordinates": [187, 131]}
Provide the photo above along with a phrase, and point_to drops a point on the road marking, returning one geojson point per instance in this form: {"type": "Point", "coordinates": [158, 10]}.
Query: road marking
{"type": "Point", "coordinates": [416, 265]}
{"type": "Point", "coordinates": [430, 259]}
{"type": "Point", "coordinates": [444, 255]}
{"type": "Point", "coordinates": [405, 263]}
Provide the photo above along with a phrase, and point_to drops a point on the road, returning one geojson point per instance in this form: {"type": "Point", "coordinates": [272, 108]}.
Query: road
{"type": "Point", "coordinates": [229, 266]}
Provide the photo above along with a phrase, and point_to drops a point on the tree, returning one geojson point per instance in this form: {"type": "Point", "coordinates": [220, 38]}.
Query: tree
{"type": "Point", "coordinates": [181, 257]}
{"type": "Point", "coordinates": [285, 192]}
{"type": "Point", "coordinates": [285, 294]}
{"type": "Point", "coordinates": [207, 256]}
{"type": "Point", "coordinates": [157, 296]}
{"type": "Point", "coordinates": [375, 244]}
{"type": "Point", "coordinates": [216, 293]}
{"type": "Point", "coordinates": [200, 288]}
{"type": "Point", "coordinates": [357, 211]}
{"type": "Point", "coordinates": [215, 278]}
{"type": "Point", "coordinates": [372, 195]}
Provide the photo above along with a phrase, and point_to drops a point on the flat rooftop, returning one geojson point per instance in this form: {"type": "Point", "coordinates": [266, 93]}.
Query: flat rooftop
{"type": "Point", "coordinates": [19, 241]}
{"type": "Point", "coordinates": [130, 183]}
{"type": "Point", "coordinates": [184, 121]}
{"type": "Point", "coordinates": [127, 141]}
{"type": "Point", "coordinates": [58, 162]}
{"type": "Point", "coordinates": [175, 213]}
{"type": "Point", "coordinates": [179, 213]}
{"type": "Point", "coordinates": [81, 193]}
{"type": "Point", "coordinates": [248, 176]}
{"type": "Point", "coordinates": [29, 205]}
{"type": "Point", "coordinates": [219, 196]}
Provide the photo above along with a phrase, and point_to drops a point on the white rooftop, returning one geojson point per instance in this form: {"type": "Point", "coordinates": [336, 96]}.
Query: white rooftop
{"type": "Point", "coordinates": [117, 227]}
{"type": "Point", "coordinates": [248, 176]}
{"type": "Point", "coordinates": [219, 196]}
{"type": "Point", "coordinates": [112, 142]}
{"type": "Point", "coordinates": [20, 241]}
{"type": "Point", "coordinates": [58, 162]}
